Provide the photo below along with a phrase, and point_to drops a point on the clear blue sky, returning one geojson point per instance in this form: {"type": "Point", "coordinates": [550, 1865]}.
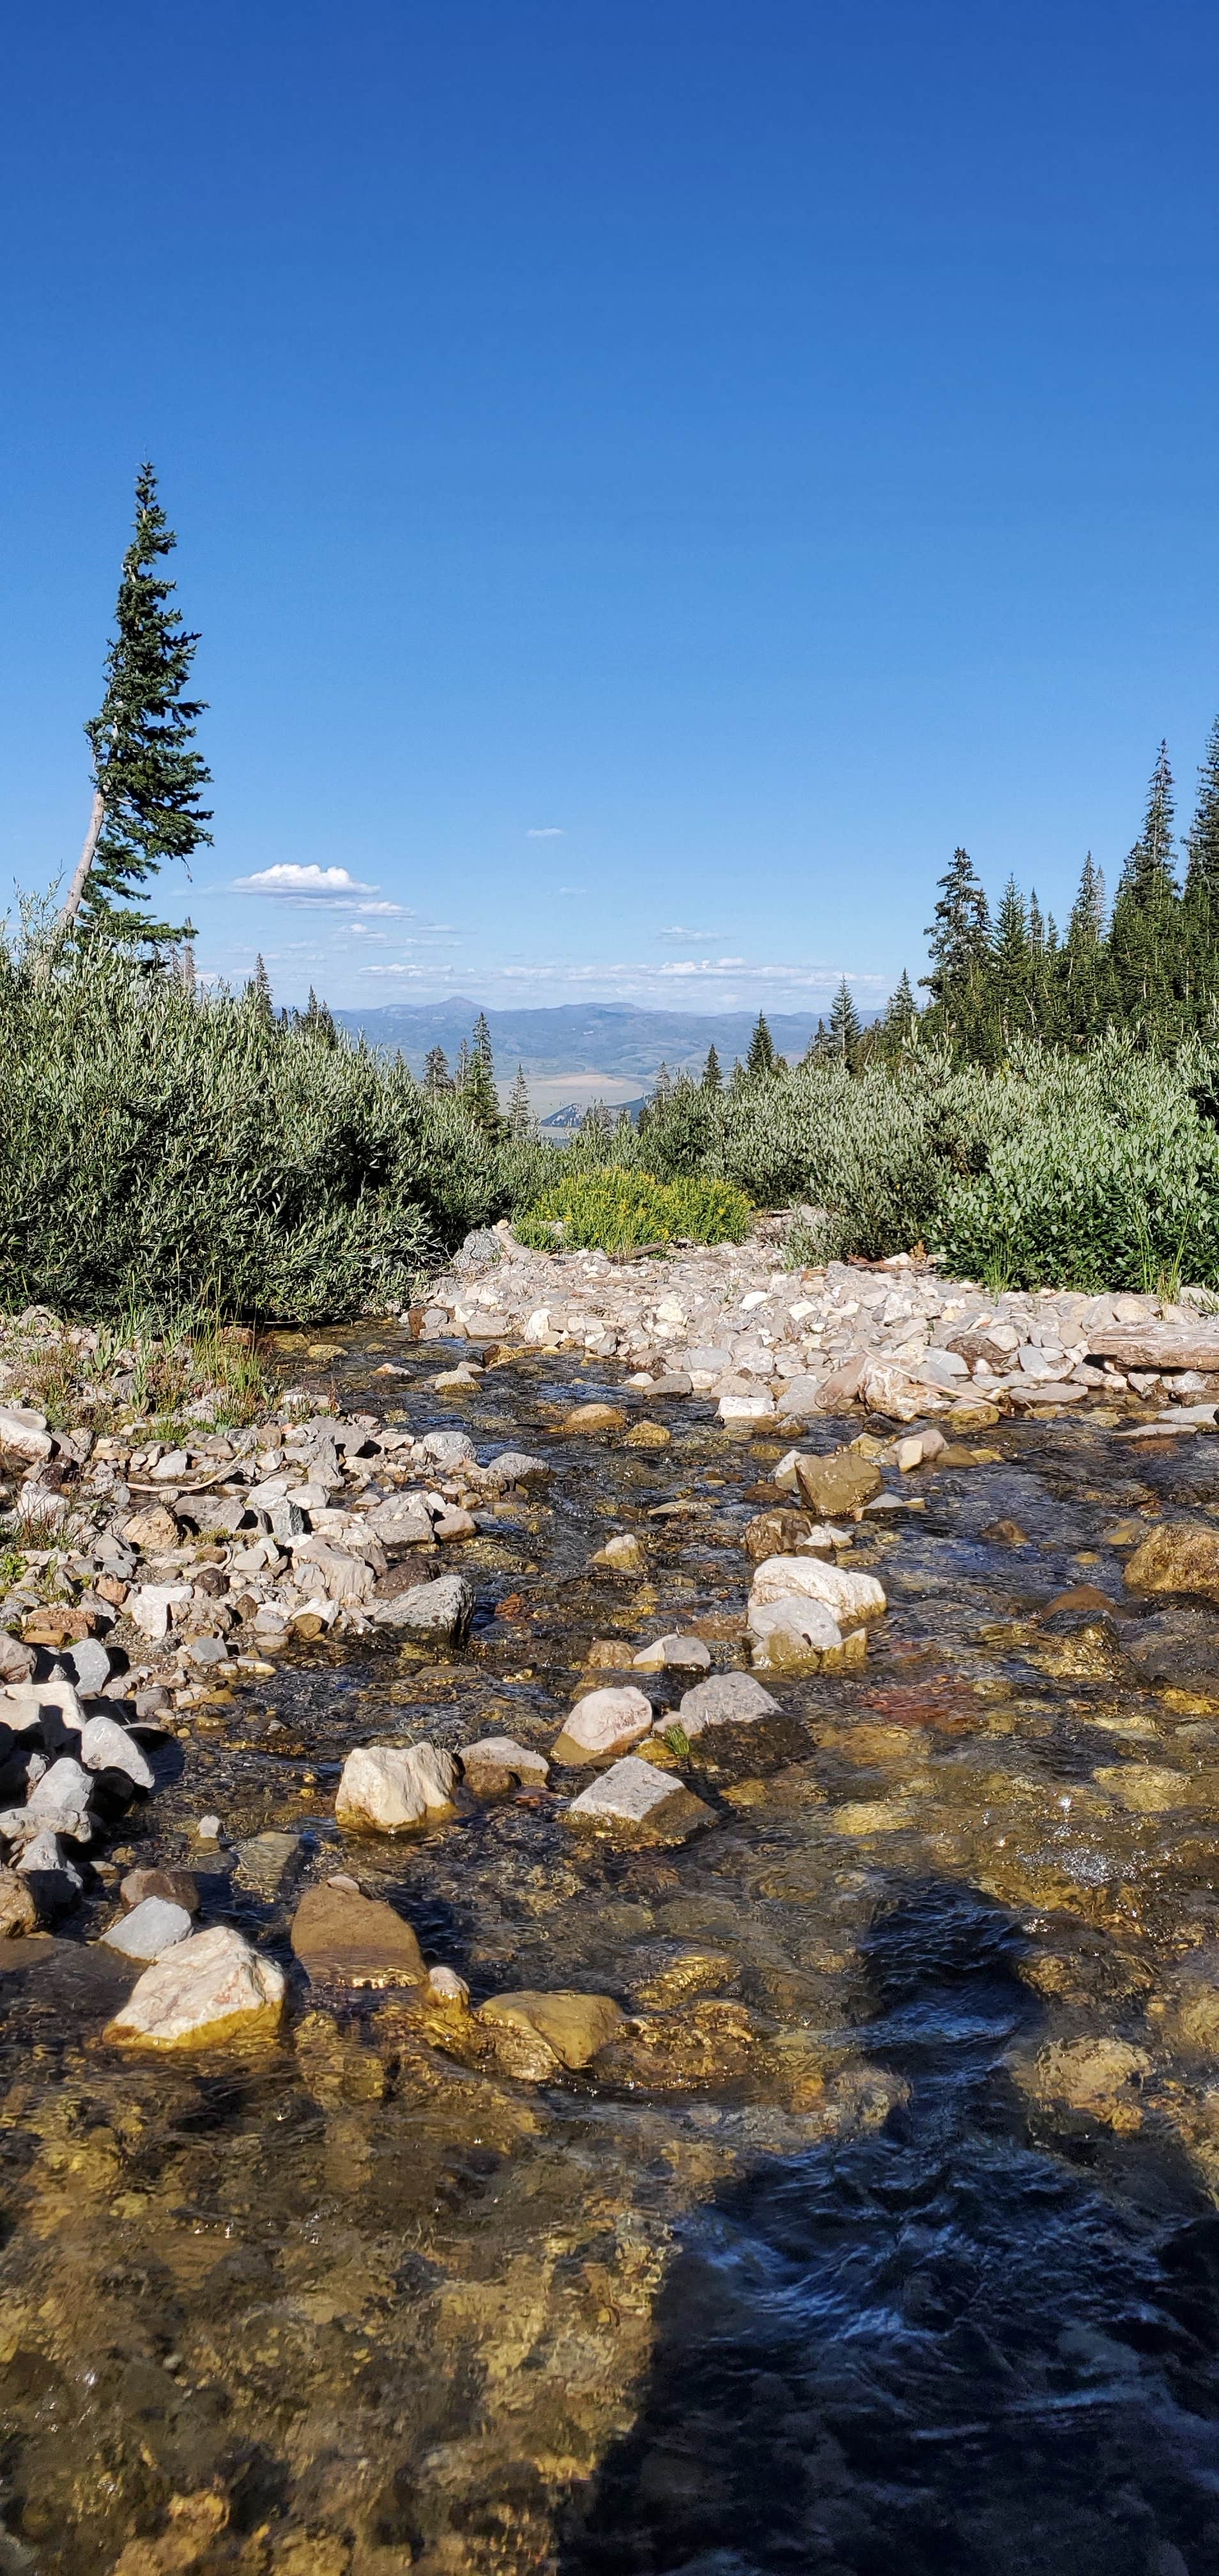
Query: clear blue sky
{"type": "Point", "coordinates": [651, 475]}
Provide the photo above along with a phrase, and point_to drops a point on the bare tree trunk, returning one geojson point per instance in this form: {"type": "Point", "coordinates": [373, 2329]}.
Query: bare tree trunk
{"type": "Point", "coordinates": [85, 862]}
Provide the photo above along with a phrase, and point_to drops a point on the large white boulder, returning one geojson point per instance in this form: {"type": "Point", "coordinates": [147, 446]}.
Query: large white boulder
{"type": "Point", "coordinates": [852, 1598]}
{"type": "Point", "coordinates": [208, 1989]}
{"type": "Point", "coordinates": [387, 1787]}
{"type": "Point", "coordinates": [604, 1722]}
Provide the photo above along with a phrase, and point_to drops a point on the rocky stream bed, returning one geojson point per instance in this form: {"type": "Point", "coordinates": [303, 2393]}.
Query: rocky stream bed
{"type": "Point", "coordinates": [803, 2156]}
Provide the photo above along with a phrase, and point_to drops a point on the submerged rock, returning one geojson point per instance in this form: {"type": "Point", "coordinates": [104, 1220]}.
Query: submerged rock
{"type": "Point", "coordinates": [622, 1555]}
{"type": "Point", "coordinates": [536, 2034]}
{"type": "Point", "coordinates": [1178, 1556]}
{"type": "Point", "coordinates": [727, 1699]}
{"type": "Point", "coordinates": [497, 1762]}
{"type": "Point", "coordinates": [387, 1787]}
{"type": "Point", "coordinates": [206, 1990]}
{"type": "Point", "coordinates": [674, 1654]}
{"type": "Point", "coordinates": [842, 1482]}
{"type": "Point", "coordinates": [851, 1598]}
{"type": "Point", "coordinates": [343, 1938]}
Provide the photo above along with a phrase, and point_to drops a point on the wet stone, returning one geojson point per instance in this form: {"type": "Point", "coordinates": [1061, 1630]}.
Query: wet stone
{"type": "Point", "coordinates": [603, 1723]}
{"type": "Point", "coordinates": [206, 1992]}
{"type": "Point", "coordinates": [343, 1938]}
{"type": "Point", "coordinates": [150, 1929]}
{"type": "Point", "coordinates": [267, 1862]}
{"type": "Point", "coordinates": [636, 1802]}
{"type": "Point", "coordinates": [534, 2034]}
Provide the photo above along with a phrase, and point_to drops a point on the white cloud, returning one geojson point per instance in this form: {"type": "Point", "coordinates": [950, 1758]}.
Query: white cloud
{"type": "Point", "coordinates": [545, 832]}
{"type": "Point", "coordinates": [287, 877]}
{"type": "Point", "coordinates": [678, 931]}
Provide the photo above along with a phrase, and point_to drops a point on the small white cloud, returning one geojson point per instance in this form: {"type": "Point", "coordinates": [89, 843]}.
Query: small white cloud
{"type": "Point", "coordinates": [288, 877]}
{"type": "Point", "coordinates": [570, 889]}
{"type": "Point", "coordinates": [677, 930]}
{"type": "Point", "coordinates": [388, 911]}
{"type": "Point", "coordinates": [545, 832]}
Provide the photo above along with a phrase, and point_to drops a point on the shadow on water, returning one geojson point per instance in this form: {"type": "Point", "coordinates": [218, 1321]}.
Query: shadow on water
{"type": "Point", "coordinates": [933, 2352]}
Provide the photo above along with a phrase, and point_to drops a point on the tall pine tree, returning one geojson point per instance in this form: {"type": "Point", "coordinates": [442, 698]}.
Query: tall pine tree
{"type": "Point", "coordinates": [520, 1116]}
{"type": "Point", "coordinates": [147, 778]}
{"type": "Point", "coordinates": [713, 1079]}
{"type": "Point", "coordinates": [1144, 940]}
{"type": "Point", "coordinates": [959, 938]}
{"type": "Point", "coordinates": [1201, 900]}
{"type": "Point", "coordinates": [845, 1031]}
{"type": "Point", "coordinates": [761, 1057]}
{"type": "Point", "coordinates": [436, 1074]}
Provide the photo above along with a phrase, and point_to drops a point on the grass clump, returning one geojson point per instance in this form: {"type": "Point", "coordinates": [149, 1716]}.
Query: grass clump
{"type": "Point", "coordinates": [619, 1211]}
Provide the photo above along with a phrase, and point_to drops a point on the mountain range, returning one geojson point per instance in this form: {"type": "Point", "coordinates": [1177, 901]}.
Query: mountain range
{"type": "Point", "coordinates": [611, 1038]}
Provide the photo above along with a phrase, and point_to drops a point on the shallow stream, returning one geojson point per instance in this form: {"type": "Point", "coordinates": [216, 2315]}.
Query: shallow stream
{"type": "Point", "coordinates": [886, 2240]}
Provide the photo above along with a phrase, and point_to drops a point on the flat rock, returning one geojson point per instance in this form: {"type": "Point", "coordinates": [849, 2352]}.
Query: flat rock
{"type": "Point", "coordinates": [1155, 1346]}
{"type": "Point", "coordinates": [435, 1614]}
{"type": "Point", "coordinates": [387, 1787]}
{"type": "Point", "coordinates": [265, 1862]}
{"type": "Point", "coordinates": [727, 1699]}
{"type": "Point", "coordinates": [841, 1483]}
{"type": "Point", "coordinates": [207, 1990]}
{"type": "Point", "coordinates": [537, 2033]}
{"type": "Point", "coordinates": [149, 1929]}
{"type": "Point", "coordinates": [23, 1433]}
{"type": "Point", "coordinates": [501, 1755]}
{"type": "Point", "coordinates": [345, 1939]}
{"type": "Point", "coordinates": [746, 1408]}
{"type": "Point", "coordinates": [448, 1448]}
{"type": "Point", "coordinates": [851, 1598]}
{"type": "Point", "coordinates": [401, 1522]}
{"type": "Point", "coordinates": [797, 1635]}
{"type": "Point", "coordinates": [604, 1722]}
{"type": "Point", "coordinates": [177, 1886]}
{"type": "Point", "coordinates": [1177, 1556]}
{"type": "Point", "coordinates": [1148, 1788]}
{"type": "Point", "coordinates": [799, 1397]}
{"type": "Point", "coordinates": [674, 1654]}
{"type": "Point", "coordinates": [636, 1802]}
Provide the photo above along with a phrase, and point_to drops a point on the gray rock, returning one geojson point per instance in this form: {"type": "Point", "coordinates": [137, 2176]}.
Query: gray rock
{"type": "Point", "coordinates": [150, 1929]}
{"type": "Point", "coordinates": [727, 1699]}
{"type": "Point", "coordinates": [448, 1448]}
{"type": "Point", "coordinates": [513, 1467]}
{"type": "Point", "coordinates": [480, 1251]}
{"type": "Point", "coordinates": [266, 1862]}
{"type": "Point", "coordinates": [106, 1746]}
{"type": "Point", "coordinates": [207, 1650]}
{"type": "Point", "coordinates": [436, 1613]}
{"type": "Point", "coordinates": [89, 1664]}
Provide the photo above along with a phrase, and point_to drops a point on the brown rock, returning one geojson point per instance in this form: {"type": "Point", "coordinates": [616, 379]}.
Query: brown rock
{"type": "Point", "coordinates": [1177, 1556]}
{"type": "Point", "coordinates": [776, 1533]}
{"type": "Point", "coordinates": [535, 2033]}
{"type": "Point", "coordinates": [17, 1660]}
{"type": "Point", "coordinates": [589, 1419]}
{"type": "Point", "coordinates": [152, 1529]}
{"type": "Point", "coordinates": [843, 1482]}
{"type": "Point", "coordinates": [610, 1655]}
{"type": "Point", "coordinates": [842, 1385]}
{"type": "Point", "coordinates": [56, 1627]}
{"type": "Point", "coordinates": [647, 1435]}
{"type": "Point", "coordinates": [1082, 1596]}
{"type": "Point", "coordinates": [18, 1912]}
{"type": "Point", "coordinates": [177, 1886]}
{"type": "Point", "coordinates": [344, 1939]}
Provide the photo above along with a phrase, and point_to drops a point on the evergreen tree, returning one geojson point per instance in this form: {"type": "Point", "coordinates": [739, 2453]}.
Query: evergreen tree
{"type": "Point", "coordinates": [960, 950]}
{"type": "Point", "coordinates": [761, 1057]}
{"type": "Point", "coordinates": [318, 1019]}
{"type": "Point", "coordinates": [713, 1079]}
{"type": "Point", "coordinates": [520, 1117]}
{"type": "Point", "coordinates": [901, 1009]}
{"type": "Point", "coordinates": [663, 1090]}
{"type": "Point", "coordinates": [1202, 872]}
{"type": "Point", "coordinates": [436, 1074]}
{"type": "Point", "coordinates": [476, 1082]}
{"type": "Point", "coordinates": [1015, 952]}
{"type": "Point", "coordinates": [147, 778]}
{"type": "Point", "coordinates": [258, 994]}
{"type": "Point", "coordinates": [845, 1030]}
{"type": "Point", "coordinates": [461, 1070]}
{"type": "Point", "coordinates": [1144, 947]}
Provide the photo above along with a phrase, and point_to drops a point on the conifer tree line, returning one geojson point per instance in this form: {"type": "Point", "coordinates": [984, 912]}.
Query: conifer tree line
{"type": "Point", "coordinates": [1147, 964]}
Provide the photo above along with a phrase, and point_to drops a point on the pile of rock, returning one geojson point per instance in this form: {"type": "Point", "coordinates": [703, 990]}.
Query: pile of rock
{"type": "Point", "coordinates": [765, 1342]}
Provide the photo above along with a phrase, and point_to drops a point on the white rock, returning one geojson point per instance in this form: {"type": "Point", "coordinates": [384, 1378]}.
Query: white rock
{"type": "Point", "coordinates": [64, 1790]}
{"type": "Point", "coordinates": [850, 1597]}
{"type": "Point", "coordinates": [172, 1466]}
{"type": "Point", "coordinates": [43, 1858]}
{"type": "Point", "coordinates": [746, 1408]}
{"type": "Point", "coordinates": [727, 1699]}
{"type": "Point", "coordinates": [632, 1793]}
{"type": "Point", "coordinates": [513, 1467]}
{"type": "Point", "coordinates": [24, 1432]}
{"type": "Point", "coordinates": [152, 1927]}
{"type": "Point", "coordinates": [604, 1721]}
{"type": "Point", "coordinates": [666, 1652]}
{"type": "Point", "coordinates": [387, 1787]}
{"type": "Point", "coordinates": [152, 1605]}
{"type": "Point", "coordinates": [503, 1753]}
{"type": "Point", "coordinates": [436, 1613]}
{"type": "Point", "coordinates": [886, 1388]}
{"type": "Point", "coordinates": [345, 1577]}
{"type": "Point", "coordinates": [446, 1987]}
{"type": "Point", "coordinates": [448, 1448]}
{"type": "Point", "coordinates": [206, 1990]}
{"type": "Point", "coordinates": [810, 1622]}
{"type": "Point", "coordinates": [22, 1705]}
{"type": "Point", "coordinates": [538, 1327]}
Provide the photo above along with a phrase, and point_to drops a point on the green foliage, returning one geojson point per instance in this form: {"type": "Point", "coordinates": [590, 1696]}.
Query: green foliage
{"type": "Point", "coordinates": [162, 1154]}
{"type": "Point", "coordinates": [621, 1211]}
{"type": "Point", "coordinates": [144, 766]}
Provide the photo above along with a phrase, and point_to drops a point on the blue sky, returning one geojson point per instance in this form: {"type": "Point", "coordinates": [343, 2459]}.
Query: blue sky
{"type": "Point", "coordinates": [650, 478]}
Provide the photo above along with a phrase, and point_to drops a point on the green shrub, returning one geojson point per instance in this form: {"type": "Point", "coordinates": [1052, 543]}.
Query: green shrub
{"type": "Point", "coordinates": [622, 1211]}
{"type": "Point", "coordinates": [168, 1156]}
